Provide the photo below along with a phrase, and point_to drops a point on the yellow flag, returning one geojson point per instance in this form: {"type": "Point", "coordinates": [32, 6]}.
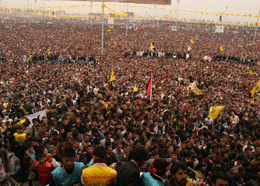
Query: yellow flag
{"type": "Point", "coordinates": [256, 88]}
{"type": "Point", "coordinates": [112, 78]}
{"type": "Point", "coordinates": [214, 111]}
{"type": "Point", "coordinates": [250, 101]}
{"type": "Point", "coordinates": [111, 26]}
{"type": "Point", "coordinates": [152, 47]}
{"type": "Point", "coordinates": [31, 58]}
{"type": "Point", "coordinates": [251, 72]}
{"type": "Point", "coordinates": [135, 88]}
{"type": "Point", "coordinates": [49, 52]}
{"type": "Point", "coordinates": [191, 41]}
{"type": "Point", "coordinates": [221, 48]}
{"type": "Point", "coordinates": [105, 104]}
{"type": "Point", "coordinates": [114, 42]}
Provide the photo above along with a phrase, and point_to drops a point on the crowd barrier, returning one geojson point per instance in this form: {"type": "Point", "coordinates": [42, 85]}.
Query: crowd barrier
{"type": "Point", "coordinates": [12, 182]}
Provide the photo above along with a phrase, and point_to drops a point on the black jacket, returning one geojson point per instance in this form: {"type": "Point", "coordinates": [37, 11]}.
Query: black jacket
{"type": "Point", "coordinates": [128, 175]}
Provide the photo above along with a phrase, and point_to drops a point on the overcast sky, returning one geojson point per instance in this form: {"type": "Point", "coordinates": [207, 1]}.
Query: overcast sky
{"type": "Point", "coordinates": [232, 6]}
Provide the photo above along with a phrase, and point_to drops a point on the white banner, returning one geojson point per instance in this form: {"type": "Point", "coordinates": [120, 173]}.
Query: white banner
{"type": "Point", "coordinates": [110, 21]}
{"type": "Point", "coordinates": [157, 2]}
{"type": "Point", "coordinates": [35, 115]}
{"type": "Point", "coordinates": [174, 28]}
{"type": "Point", "coordinates": [219, 29]}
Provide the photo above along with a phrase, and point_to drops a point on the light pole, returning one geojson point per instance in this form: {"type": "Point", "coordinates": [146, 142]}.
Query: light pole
{"type": "Point", "coordinates": [154, 14]}
{"type": "Point", "coordinates": [178, 2]}
{"type": "Point", "coordinates": [226, 14]}
{"type": "Point", "coordinates": [35, 8]}
{"type": "Point", "coordinates": [256, 27]}
{"type": "Point", "coordinates": [91, 15]}
{"type": "Point", "coordinates": [2, 9]}
{"type": "Point", "coordinates": [126, 24]}
{"type": "Point", "coordinates": [163, 13]}
{"type": "Point", "coordinates": [102, 38]}
{"type": "Point", "coordinates": [43, 12]}
{"type": "Point", "coordinates": [29, 16]}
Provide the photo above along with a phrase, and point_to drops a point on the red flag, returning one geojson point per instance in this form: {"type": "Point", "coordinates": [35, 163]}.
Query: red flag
{"type": "Point", "coordinates": [149, 90]}
{"type": "Point", "coordinates": [249, 87]}
{"type": "Point", "coordinates": [257, 47]}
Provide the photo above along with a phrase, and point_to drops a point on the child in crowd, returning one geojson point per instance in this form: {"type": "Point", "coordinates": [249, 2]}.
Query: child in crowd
{"type": "Point", "coordinates": [30, 151]}
{"type": "Point", "coordinates": [51, 160]}
{"type": "Point", "coordinates": [43, 168]}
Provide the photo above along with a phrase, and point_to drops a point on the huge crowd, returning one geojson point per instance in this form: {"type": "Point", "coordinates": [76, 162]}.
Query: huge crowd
{"type": "Point", "coordinates": [98, 132]}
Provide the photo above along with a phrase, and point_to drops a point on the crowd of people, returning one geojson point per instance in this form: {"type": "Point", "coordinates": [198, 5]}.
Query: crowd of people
{"type": "Point", "coordinates": [99, 132]}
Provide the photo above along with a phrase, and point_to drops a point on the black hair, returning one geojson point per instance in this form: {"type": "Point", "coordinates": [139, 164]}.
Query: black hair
{"type": "Point", "coordinates": [29, 145]}
{"type": "Point", "coordinates": [237, 177]}
{"type": "Point", "coordinates": [99, 152]}
{"type": "Point", "coordinates": [218, 176]}
{"type": "Point", "coordinates": [27, 159]}
{"type": "Point", "coordinates": [106, 133]}
{"type": "Point", "coordinates": [34, 119]}
{"type": "Point", "coordinates": [160, 165]}
{"type": "Point", "coordinates": [69, 153]}
{"type": "Point", "coordinates": [192, 174]}
{"type": "Point", "coordinates": [140, 154]}
{"type": "Point", "coordinates": [176, 166]}
{"type": "Point", "coordinates": [41, 155]}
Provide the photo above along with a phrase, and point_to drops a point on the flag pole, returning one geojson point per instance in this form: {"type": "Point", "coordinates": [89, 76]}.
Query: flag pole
{"type": "Point", "coordinates": [256, 27]}
{"type": "Point", "coordinates": [151, 91]}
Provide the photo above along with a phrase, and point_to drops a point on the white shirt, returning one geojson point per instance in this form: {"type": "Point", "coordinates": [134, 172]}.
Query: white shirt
{"type": "Point", "coordinates": [234, 119]}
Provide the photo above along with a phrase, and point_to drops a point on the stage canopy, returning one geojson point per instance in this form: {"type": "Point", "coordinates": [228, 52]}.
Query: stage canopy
{"type": "Point", "coordinates": [157, 2]}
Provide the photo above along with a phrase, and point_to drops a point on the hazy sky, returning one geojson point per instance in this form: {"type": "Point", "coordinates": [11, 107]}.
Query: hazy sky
{"type": "Point", "coordinates": [234, 7]}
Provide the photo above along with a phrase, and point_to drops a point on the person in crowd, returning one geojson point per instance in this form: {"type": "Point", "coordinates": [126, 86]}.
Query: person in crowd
{"type": "Point", "coordinates": [99, 173]}
{"type": "Point", "coordinates": [157, 176]}
{"type": "Point", "coordinates": [43, 169]}
{"type": "Point", "coordinates": [129, 173]}
{"type": "Point", "coordinates": [178, 176]}
{"type": "Point", "coordinates": [69, 173]}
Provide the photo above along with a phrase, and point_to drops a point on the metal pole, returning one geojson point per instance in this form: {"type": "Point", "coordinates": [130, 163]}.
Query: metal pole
{"type": "Point", "coordinates": [28, 12]}
{"type": "Point", "coordinates": [91, 15]}
{"type": "Point", "coordinates": [178, 2]}
{"type": "Point", "coordinates": [154, 14]}
{"type": "Point", "coordinates": [102, 49]}
{"type": "Point", "coordinates": [43, 12]}
{"type": "Point", "coordinates": [151, 91]}
{"type": "Point", "coordinates": [126, 24]}
{"type": "Point", "coordinates": [143, 10]}
{"type": "Point", "coordinates": [163, 13]}
{"type": "Point", "coordinates": [226, 14]}
{"type": "Point", "coordinates": [256, 27]}
{"type": "Point", "coordinates": [35, 8]}
{"type": "Point", "coordinates": [2, 10]}
{"type": "Point", "coordinates": [29, 17]}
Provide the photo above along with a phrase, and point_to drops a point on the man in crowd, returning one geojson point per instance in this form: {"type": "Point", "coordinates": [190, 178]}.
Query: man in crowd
{"type": "Point", "coordinates": [69, 173]}
{"type": "Point", "coordinates": [99, 173]}
{"type": "Point", "coordinates": [129, 173]}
